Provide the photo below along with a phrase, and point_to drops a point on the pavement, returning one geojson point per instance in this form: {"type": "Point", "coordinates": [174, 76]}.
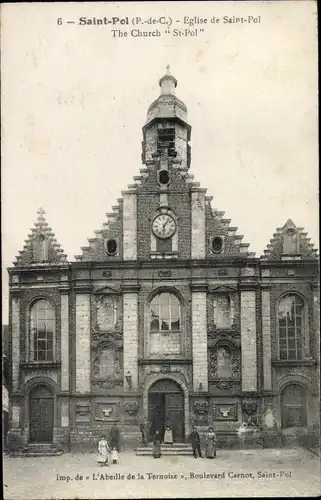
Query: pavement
{"type": "Point", "coordinates": [237, 473]}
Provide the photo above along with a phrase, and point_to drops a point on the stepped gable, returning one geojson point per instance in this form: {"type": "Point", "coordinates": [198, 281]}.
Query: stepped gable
{"type": "Point", "coordinates": [218, 225]}
{"type": "Point", "coordinates": [111, 229]}
{"type": "Point", "coordinates": [290, 242]}
{"type": "Point", "coordinates": [41, 246]}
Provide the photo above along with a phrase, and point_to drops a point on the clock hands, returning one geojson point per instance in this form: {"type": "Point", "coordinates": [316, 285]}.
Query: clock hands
{"type": "Point", "coordinates": [166, 222]}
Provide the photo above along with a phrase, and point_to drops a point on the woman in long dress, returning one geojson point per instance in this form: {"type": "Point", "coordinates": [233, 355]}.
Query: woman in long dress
{"type": "Point", "coordinates": [168, 434]}
{"type": "Point", "coordinates": [157, 445]}
{"type": "Point", "coordinates": [103, 451]}
{"type": "Point", "coordinates": [210, 443]}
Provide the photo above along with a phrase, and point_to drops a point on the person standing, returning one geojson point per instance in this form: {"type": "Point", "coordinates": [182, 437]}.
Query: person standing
{"type": "Point", "coordinates": [114, 437]}
{"type": "Point", "coordinates": [196, 443]}
{"type": "Point", "coordinates": [168, 434]}
{"type": "Point", "coordinates": [157, 453]}
{"type": "Point", "coordinates": [144, 428]}
{"type": "Point", "coordinates": [210, 443]}
{"type": "Point", "coordinates": [103, 451]}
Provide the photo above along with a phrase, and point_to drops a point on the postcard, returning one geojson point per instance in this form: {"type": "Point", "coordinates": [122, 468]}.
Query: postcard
{"type": "Point", "coordinates": [160, 270]}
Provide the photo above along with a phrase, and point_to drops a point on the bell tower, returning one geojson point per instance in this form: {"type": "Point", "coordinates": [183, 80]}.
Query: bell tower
{"type": "Point", "coordinates": [166, 133]}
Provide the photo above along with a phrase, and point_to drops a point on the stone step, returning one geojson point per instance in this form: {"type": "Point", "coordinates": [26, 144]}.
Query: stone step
{"type": "Point", "coordinates": [149, 452]}
{"type": "Point", "coordinates": [34, 453]}
{"type": "Point", "coordinates": [37, 450]}
{"type": "Point", "coordinates": [166, 449]}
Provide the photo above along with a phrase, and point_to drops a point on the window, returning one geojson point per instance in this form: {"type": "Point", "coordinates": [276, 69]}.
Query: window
{"type": "Point", "coordinates": [291, 316]}
{"type": "Point", "coordinates": [217, 244]}
{"type": "Point", "coordinates": [111, 246]}
{"type": "Point", "coordinates": [163, 177]}
{"type": "Point", "coordinates": [165, 313]}
{"type": "Point", "coordinates": [41, 333]}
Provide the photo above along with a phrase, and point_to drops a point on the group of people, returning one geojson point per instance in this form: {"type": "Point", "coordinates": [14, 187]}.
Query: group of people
{"type": "Point", "coordinates": [106, 452]}
{"type": "Point", "coordinates": [210, 443]}
{"type": "Point", "coordinates": [210, 440]}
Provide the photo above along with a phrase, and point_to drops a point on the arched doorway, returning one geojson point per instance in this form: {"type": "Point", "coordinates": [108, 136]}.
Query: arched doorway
{"type": "Point", "coordinates": [293, 406]}
{"type": "Point", "coordinates": [41, 414]}
{"type": "Point", "coordinates": [166, 401]}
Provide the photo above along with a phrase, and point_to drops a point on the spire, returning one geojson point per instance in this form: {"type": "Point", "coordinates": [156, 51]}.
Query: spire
{"type": "Point", "coordinates": [168, 83]}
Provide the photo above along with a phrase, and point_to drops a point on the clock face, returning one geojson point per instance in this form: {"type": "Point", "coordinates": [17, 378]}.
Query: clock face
{"type": "Point", "coordinates": [164, 226]}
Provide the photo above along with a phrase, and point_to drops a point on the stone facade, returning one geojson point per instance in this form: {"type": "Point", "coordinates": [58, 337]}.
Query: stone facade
{"type": "Point", "coordinates": [165, 293]}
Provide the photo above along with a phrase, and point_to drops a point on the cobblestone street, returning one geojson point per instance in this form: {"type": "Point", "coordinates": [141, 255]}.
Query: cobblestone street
{"type": "Point", "coordinates": [262, 473]}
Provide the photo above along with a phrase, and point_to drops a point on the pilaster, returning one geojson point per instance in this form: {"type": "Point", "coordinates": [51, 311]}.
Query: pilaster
{"type": "Point", "coordinates": [83, 367]}
{"type": "Point", "coordinates": [129, 225]}
{"type": "Point", "coordinates": [199, 338]}
{"type": "Point", "coordinates": [248, 339]}
{"type": "Point", "coordinates": [130, 336]}
{"type": "Point", "coordinates": [198, 224]}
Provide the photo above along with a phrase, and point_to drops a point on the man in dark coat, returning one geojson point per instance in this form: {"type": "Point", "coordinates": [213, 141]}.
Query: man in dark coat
{"type": "Point", "coordinates": [114, 437]}
{"type": "Point", "coordinates": [196, 444]}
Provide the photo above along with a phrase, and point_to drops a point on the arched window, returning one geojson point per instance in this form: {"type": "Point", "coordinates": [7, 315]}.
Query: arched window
{"type": "Point", "coordinates": [291, 316]}
{"type": "Point", "coordinates": [165, 313]}
{"type": "Point", "coordinates": [41, 331]}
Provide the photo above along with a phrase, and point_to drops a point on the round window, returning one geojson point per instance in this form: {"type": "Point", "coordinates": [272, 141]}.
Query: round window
{"type": "Point", "coordinates": [111, 246]}
{"type": "Point", "coordinates": [217, 244]}
{"type": "Point", "coordinates": [163, 177]}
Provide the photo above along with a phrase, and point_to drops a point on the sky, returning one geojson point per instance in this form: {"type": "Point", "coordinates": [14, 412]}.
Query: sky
{"type": "Point", "coordinates": [74, 100]}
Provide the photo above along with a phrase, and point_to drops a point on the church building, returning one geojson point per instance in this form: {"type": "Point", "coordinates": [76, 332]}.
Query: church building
{"type": "Point", "coordinates": [165, 314]}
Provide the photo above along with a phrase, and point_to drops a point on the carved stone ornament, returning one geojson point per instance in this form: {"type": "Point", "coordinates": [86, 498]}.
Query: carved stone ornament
{"type": "Point", "coordinates": [249, 407]}
{"type": "Point", "coordinates": [165, 369]}
{"type": "Point", "coordinates": [107, 411]}
{"type": "Point", "coordinates": [97, 335]}
{"type": "Point", "coordinates": [104, 384]}
{"type": "Point", "coordinates": [225, 411]}
{"type": "Point", "coordinates": [200, 408]}
{"type": "Point", "coordinates": [164, 274]}
{"type": "Point", "coordinates": [224, 385]}
{"type": "Point", "coordinates": [131, 408]}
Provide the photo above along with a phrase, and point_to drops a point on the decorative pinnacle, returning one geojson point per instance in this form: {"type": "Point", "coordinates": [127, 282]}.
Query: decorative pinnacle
{"type": "Point", "coordinates": [41, 212]}
{"type": "Point", "coordinates": [168, 82]}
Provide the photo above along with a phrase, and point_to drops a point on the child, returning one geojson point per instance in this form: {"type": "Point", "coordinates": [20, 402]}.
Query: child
{"type": "Point", "coordinates": [114, 456]}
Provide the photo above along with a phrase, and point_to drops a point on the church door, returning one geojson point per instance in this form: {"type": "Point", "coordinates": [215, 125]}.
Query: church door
{"type": "Point", "coordinates": [166, 401]}
{"type": "Point", "coordinates": [294, 412]}
{"type": "Point", "coordinates": [41, 415]}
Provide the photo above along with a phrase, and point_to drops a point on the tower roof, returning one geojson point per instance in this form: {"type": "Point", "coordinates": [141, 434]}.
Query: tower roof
{"type": "Point", "coordinates": [167, 105]}
{"type": "Point", "coordinates": [168, 82]}
{"type": "Point", "coordinates": [41, 246]}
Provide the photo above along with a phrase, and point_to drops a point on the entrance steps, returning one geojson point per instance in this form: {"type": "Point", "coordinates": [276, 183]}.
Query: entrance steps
{"type": "Point", "coordinates": [167, 449]}
{"type": "Point", "coordinates": [37, 450]}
